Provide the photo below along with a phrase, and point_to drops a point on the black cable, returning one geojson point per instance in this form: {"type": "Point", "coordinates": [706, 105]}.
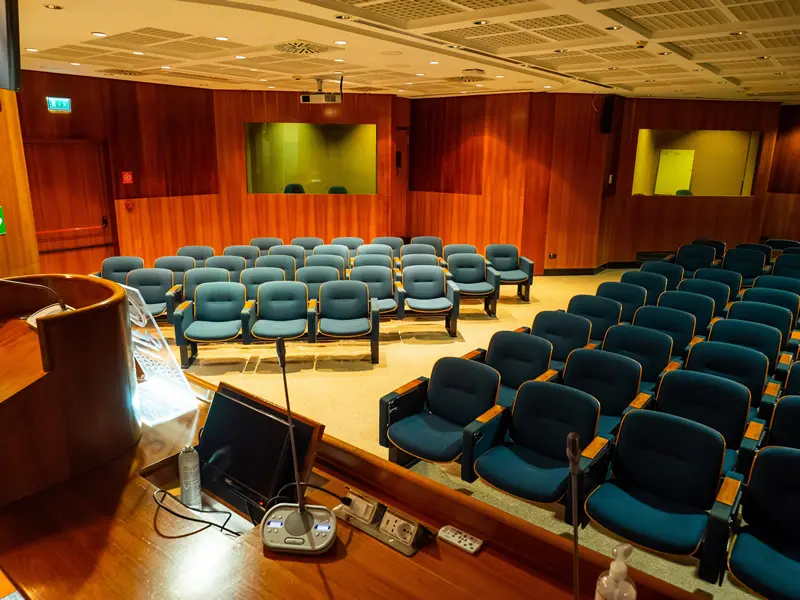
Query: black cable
{"type": "Point", "coordinates": [222, 527]}
{"type": "Point", "coordinates": [344, 500]}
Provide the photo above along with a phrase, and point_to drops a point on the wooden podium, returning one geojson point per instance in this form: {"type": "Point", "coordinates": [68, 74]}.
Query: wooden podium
{"type": "Point", "coordinates": [68, 388]}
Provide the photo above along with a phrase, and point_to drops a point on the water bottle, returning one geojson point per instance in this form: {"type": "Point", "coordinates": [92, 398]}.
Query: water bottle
{"type": "Point", "coordinates": [189, 469]}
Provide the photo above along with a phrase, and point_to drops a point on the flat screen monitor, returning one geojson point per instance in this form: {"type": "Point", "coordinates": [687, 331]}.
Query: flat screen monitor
{"type": "Point", "coordinates": [9, 45]}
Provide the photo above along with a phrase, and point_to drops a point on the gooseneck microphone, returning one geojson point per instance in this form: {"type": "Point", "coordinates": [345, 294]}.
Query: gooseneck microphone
{"type": "Point", "coordinates": [574, 457]}
{"type": "Point", "coordinates": [280, 347]}
{"type": "Point", "coordinates": [49, 290]}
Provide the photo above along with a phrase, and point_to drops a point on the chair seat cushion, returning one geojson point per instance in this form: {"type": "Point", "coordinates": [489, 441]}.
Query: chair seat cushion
{"type": "Point", "coordinates": [770, 570]}
{"type": "Point", "coordinates": [344, 327]}
{"type": "Point", "coordinates": [607, 424]}
{"type": "Point", "coordinates": [157, 308]}
{"type": "Point", "coordinates": [428, 437]}
{"type": "Point", "coordinates": [514, 276]}
{"type": "Point", "coordinates": [506, 395]}
{"type": "Point", "coordinates": [475, 289]}
{"type": "Point", "coordinates": [265, 329]}
{"type": "Point", "coordinates": [386, 305]}
{"type": "Point", "coordinates": [211, 331]}
{"type": "Point", "coordinates": [524, 473]}
{"type": "Point", "coordinates": [729, 462]}
{"type": "Point", "coordinates": [648, 520]}
{"type": "Point", "coordinates": [429, 305]}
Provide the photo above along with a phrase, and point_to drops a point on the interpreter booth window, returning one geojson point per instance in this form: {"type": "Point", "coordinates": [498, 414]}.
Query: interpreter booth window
{"type": "Point", "coordinates": [695, 163]}
{"type": "Point", "coordinates": [306, 158]}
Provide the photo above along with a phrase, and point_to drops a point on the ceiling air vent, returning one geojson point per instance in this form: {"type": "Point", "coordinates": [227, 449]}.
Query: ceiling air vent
{"type": "Point", "coordinates": [367, 88]}
{"type": "Point", "coordinates": [302, 47]}
{"type": "Point", "coordinates": [122, 72]}
{"type": "Point", "coordinates": [466, 79]}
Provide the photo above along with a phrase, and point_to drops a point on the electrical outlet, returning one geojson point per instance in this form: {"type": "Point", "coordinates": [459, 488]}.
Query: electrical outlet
{"type": "Point", "coordinates": [399, 527]}
{"type": "Point", "coordinates": [552, 255]}
{"type": "Point", "coordinates": [362, 507]}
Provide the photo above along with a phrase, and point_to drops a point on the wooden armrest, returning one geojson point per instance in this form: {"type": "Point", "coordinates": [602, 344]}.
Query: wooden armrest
{"type": "Point", "coordinates": [549, 374]}
{"type": "Point", "coordinates": [175, 289]}
{"type": "Point", "coordinates": [728, 490]}
{"type": "Point", "coordinates": [347, 273]}
{"type": "Point", "coordinates": [727, 307]}
{"type": "Point", "coordinates": [490, 414]}
{"type": "Point", "coordinates": [754, 430]}
{"type": "Point", "coordinates": [796, 335]}
{"type": "Point", "coordinates": [715, 319]}
{"type": "Point", "coordinates": [520, 330]}
{"type": "Point", "coordinates": [184, 305]}
{"type": "Point", "coordinates": [471, 355]}
{"type": "Point", "coordinates": [640, 400]}
{"type": "Point", "coordinates": [785, 358]}
{"type": "Point", "coordinates": [590, 346]}
{"type": "Point", "coordinates": [249, 304]}
{"type": "Point", "coordinates": [594, 447]}
{"type": "Point", "coordinates": [408, 386]}
{"type": "Point", "coordinates": [695, 340]}
{"type": "Point", "coordinates": [671, 366]}
{"type": "Point", "coordinates": [446, 271]}
{"type": "Point", "coordinates": [772, 389]}
{"type": "Point", "coordinates": [312, 304]}
{"type": "Point", "coordinates": [400, 287]}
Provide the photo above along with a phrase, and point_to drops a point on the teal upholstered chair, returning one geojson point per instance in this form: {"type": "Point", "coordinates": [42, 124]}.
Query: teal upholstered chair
{"type": "Point", "coordinates": [437, 420]}
{"type": "Point", "coordinates": [664, 477]}
{"type": "Point", "coordinates": [775, 297]}
{"type": "Point", "coordinates": [314, 277]}
{"type": "Point", "coordinates": [779, 244]}
{"type": "Point", "coordinates": [748, 263]}
{"type": "Point", "coordinates": [451, 249]}
{"type": "Point", "coordinates": [514, 269]}
{"type": "Point", "coordinates": [351, 243]}
{"type": "Point", "coordinates": [253, 278]}
{"type": "Point", "coordinates": [199, 253]}
{"type": "Point", "coordinates": [337, 189]}
{"type": "Point", "coordinates": [765, 554]}
{"type": "Point", "coordinates": [177, 264]}
{"type": "Point", "coordinates": [334, 250]}
{"type": "Point", "coordinates": [307, 243]}
{"type": "Point", "coordinates": [762, 248]}
{"type": "Point", "coordinates": [787, 265]}
{"type": "Point", "coordinates": [380, 249]}
{"type": "Point", "coordinates": [718, 292]}
{"type": "Point", "coordinates": [792, 250]}
{"type": "Point", "coordinates": [192, 279]}
{"type": "Point", "coordinates": [692, 257]}
{"type": "Point", "coordinates": [719, 246]}
{"type": "Point", "coordinates": [373, 260]}
{"type": "Point", "coordinates": [684, 193]}
{"type": "Point", "coordinates": [730, 278]}
{"type": "Point", "coordinates": [116, 268]}
{"type": "Point", "coordinates": [294, 188]}
{"type": "Point", "coordinates": [395, 243]}
{"type": "Point", "coordinates": [328, 260]}
{"type": "Point", "coordinates": [654, 283]}
{"type": "Point", "coordinates": [630, 296]}
{"type": "Point", "coordinates": [650, 348]}
{"type": "Point", "coordinates": [767, 314]}
{"type": "Point", "coordinates": [345, 311]}
{"type": "Point", "coordinates": [248, 253]}
{"type": "Point", "coordinates": [282, 311]}
{"type": "Point", "coordinates": [413, 260]}
{"type": "Point", "coordinates": [380, 282]}
{"type": "Point", "coordinates": [430, 240]}
{"type": "Point", "coordinates": [677, 324]}
{"type": "Point", "coordinates": [153, 285]}
{"type": "Point", "coordinates": [778, 282]}
{"type": "Point", "coordinates": [233, 264]}
{"type": "Point", "coordinates": [565, 331]}
{"type": "Point", "coordinates": [601, 312]}
{"type": "Point", "coordinates": [784, 429]}
{"type": "Point", "coordinates": [792, 387]}
{"type": "Point", "coordinates": [475, 279]}
{"type": "Point", "coordinates": [764, 338]}
{"type": "Point", "coordinates": [425, 291]}
{"type": "Point", "coordinates": [279, 261]}
{"type": "Point", "coordinates": [420, 248]}
{"type": "Point", "coordinates": [673, 272]}
{"type": "Point", "coordinates": [296, 252]}
{"type": "Point", "coordinates": [216, 315]}
{"type": "Point", "coordinates": [265, 243]}
{"type": "Point", "coordinates": [699, 305]}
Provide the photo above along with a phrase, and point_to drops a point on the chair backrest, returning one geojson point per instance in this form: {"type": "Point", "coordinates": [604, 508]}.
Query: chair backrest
{"type": "Point", "coordinates": [337, 189]}
{"type": "Point", "coordinates": [177, 264]}
{"type": "Point", "coordinates": [701, 306]}
{"type": "Point", "coordinates": [296, 252]}
{"type": "Point", "coordinates": [424, 282]}
{"type": "Point", "coordinates": [730, 278]}
{"type": "Point", "coordinates": [748, 263]}
{"type": "Point", "coordinates": [787, 265]}
{"type": "Point", "coordinates": [518, 357]}
{"type": "Point", "coordinates": [788, 300]}
{"type": "Point", "coordinates": [314, 277]}
{"type": "Point", "coordinates": [379, 280]}
{"type": "Point", "coordinates": [695, 256]}
{"type": "Point", "coordinates": [602, 312]}
{"type": "Point", "coordinates": [684, 192]}
{"type": "Point", "coordinates": [718, 292]}
{"type": "Point", "coordinates": [451, 249]}
{"type": "Point", "coordinates": [611, 378]}
{"type": "Point", "coordinates": [503, 257]}
{"type": "Point", "coordinates": [737, 363]}
{"type": "Point", "coordinates": [461, 390]}
{"type": "Point", "coordinates": [764, 338]}
{"type": "Point", "coordinates": [650, 348]}
{"type": "Point", "coordinates": [778, 244]}
{"type": "Point", "coordinates": [677, 324]}
{"type": "Point", "coordinates": [545, 413]}
{"type": "Point", "coordinates": [219, 301]}
{"type": "Point", "coordinates": [344, 300]}
{"type": "Point", "coordinates": [792, 387]}
{"type": "Point", "coordinates": [670, 458]}
{"type": "Point", "coordinates": [654, 283]}
{"type": "Point", "coordinates": [630, 296]}
{"type": "Point", "coordinates": [234, 264]}
{"type": "Point", "coordinates": [279, 261]}
{"type": "Point", "coordinates": [327, 260]}
{"type": "Point", "coordinates": [334, 250]}
{"type": "Point", "coordinates": [395, 243]}
{"type": "Point", "coordinates": [282, 300]}
{"type": "Point", "coordinates": [294, 188]}
{"type": "Point", "coordinates": [768, 314]}
{"type": "Point", "coordinates": [431, 240]}
{"type": "Point", "coordinates": [770, 501]}
{"type": "Point", "coordinates": [194, 277]}
{"type": "Point", "coordinates": [762, 248]}
{"type": "Point", "coordinates": [152, 284]}
{"type": "Point", "coordinates": [373, 249]}
{"type": "Point", "coordinates": [720, 403]}
{"type": "Point", "coordinates": [778, 282]}
{"type": "Point", "coordinates": [373, 260]}
{"type": "Point", "coordinates": [413, 260]}
{"type": "Point", "coordinates": [351, 243]}
{"type": "Point", "coordinates": [198, 253]}
{"type": "Point", "coordinates": [252, 278]}
{"type": "Point", "coordinates": [410, 249]}
{"type": "Point", "coordinates": [248, 253]}
{"type": "Point", "coordinates": [784, 429]}
{"type": "Point", "coordinates": [307, 243]}
{"type": "Point", "coordinates": [265, 243]}
{"type": "Point", "coordinates": [719, 246]}
{"type": "Point", "coordinates": [116, 268]}
{"type": "Point", "coordinates": [565, 331]}
{"type": "Point", "coordinates": [467, 268]}
{"type": "Point", "coordinates": [673, 272]}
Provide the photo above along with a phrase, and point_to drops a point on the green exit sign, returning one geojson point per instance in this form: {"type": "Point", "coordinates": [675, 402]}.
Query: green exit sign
{"type": "Point", "coordinates": [2, 222]}
{"type": "Point", "coordinates": [59, 105]}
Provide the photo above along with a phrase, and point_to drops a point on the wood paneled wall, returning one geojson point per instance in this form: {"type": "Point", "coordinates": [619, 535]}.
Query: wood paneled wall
{"type": "Point", "coordinates": [785, 175]}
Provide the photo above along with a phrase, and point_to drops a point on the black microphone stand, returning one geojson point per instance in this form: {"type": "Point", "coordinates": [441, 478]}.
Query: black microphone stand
{"type": "Point", "coordinates": [574, 456]}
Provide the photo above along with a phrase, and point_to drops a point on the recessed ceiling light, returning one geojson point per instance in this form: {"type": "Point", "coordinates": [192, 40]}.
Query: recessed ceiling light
{"type": "Point", "coordinates": [221, 38]}
{"type": "Point", "coordinates": [781, 73]}
{"type": "Point", "coordinates": [166, 67]}
{"type": "Point", "coordinates": [53, 6]}
{"type": "Point", "coordinates": [340, 43]}
{"type": "Point", "coordinates": [480, 22]}
{"type": "Point", "coordinates": [337, 72]}
{"type": "Point", "coordinates": [664, 53]}
{"type": "Point", "coordinates": [401, 91]}
{"type": "Point", "coordinates": [560, 50]}
{"type": "Point", "coordinates": [420, 74]}
{"type": "Point", "coordinates": [649, 80]}
{"type": "Point", "coordinates": [478, 85]}
{"type": "Point", "coordinates": [409, 83]}
{"type": "Point", "coordinates": [433, 62]}
{"type": "Point", "coordinates": [343, 17]}
{"type": "Point", "coordinates": [252, 69]}
{"type": "Point", "coordinates": [763, 57]}
{"type": "Point", "coordinates": [99, 34]}
{"type": "Point", "coordinates": [339, 60]}
{"type": "Point", "coordinates": [548, 87]}
{"type": "Point", "coordinates": [75, 64]}
{"type": "Point", "coordinates": [678, 90]}
{"type": "Point", "coordinates": [612, 68]}
{"type": "Point", "coordinates": [792, 84]}
{"type": "Point", "coordinates": [239, 57]}
{"type": "Point", "coordinates": [271, 87]}
{"type": "Point", "coordinates": [613, 28]}
{"type": "Point", "coordinates": [263, 79]}
{"type": "Point", "coordinates": [738, 32]}
{"type": "Point", "coordinates": [463, 92]}
{"type": "Point", "coordinates": [498, 76]}
{"type": "Point", "coordinates": [453, 46]}
{"type": "Point", "coordinates": [137, 53]}
{"type": "Point", "coordinates": [697, 70]}
{"type": "Point", "coordinates": [31, 49]}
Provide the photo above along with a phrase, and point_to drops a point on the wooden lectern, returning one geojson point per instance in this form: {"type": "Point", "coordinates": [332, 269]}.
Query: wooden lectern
{"type": "Point", "coordinates": [68, 388]}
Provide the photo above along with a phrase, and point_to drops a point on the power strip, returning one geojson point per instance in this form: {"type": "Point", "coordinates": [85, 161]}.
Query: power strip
{"type": "Point", "coordinates": [460, 539]}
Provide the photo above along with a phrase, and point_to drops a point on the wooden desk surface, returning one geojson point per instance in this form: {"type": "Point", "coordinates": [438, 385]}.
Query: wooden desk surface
{"type": "Point", "coordinates": [19, 340]}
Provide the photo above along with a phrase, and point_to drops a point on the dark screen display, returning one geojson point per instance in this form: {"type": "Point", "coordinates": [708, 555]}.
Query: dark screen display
{"type": "Point", "coordinates": [9, 45]}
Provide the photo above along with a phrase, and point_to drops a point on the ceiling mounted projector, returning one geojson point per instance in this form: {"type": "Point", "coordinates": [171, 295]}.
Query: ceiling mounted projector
{"type": "Point", "coordinates": [320, 98]}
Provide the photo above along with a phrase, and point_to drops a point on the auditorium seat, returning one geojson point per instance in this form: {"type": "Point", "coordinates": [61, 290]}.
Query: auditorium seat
{"type": "Point", "coordinates": [692, 257]}
{"type": "Point", "coordinates": [677, 324]}
{"type": "Point", "coordinates": [762, 248]}
{"type": "Point", "coordinates": [718, 292]}
{"type": "Point", "coordinates": [153, 285]}
{"type": "Point", "coordinates": [248, 253]}
{"type": "Point", "coordinates": [650, 348]}
{"type": "Point", "coordinates": [476, 280]}
{"type": "Point", "coordinates": [757, 336]}
{"type": "Point", "coordinates": [730, 278]}
{"type": "Point", "coordinates": [116, 268]}
{"type": "Point", "coordinates": [177, 264]}
{"type": "Point", "coordinates": [778, 282]}
{"type": "Point", "coordinates": [380, 281]}
{"type": "Point", "coordinates": [198, 253]}
{"type": "Point", "coordinates": [630, 296]}
{"type": "Point", "coordinates": [413, 260]}
{"type": "Point", "coordinates": [339, 250]}
{"type": "Point", "coordinates": [768, 314]}
{"type": "Point", "coordinates": [699, 305]}
{"type": "Point", "coordinates": [192, 279]}
{"type": "Point", "coordinates": [395, 243]}
{"type": "Point", "coordinates": [281, 311]}
{"type": "Point", "coordinates": [779, 244]}
{"type": "Point", "coordinates": [373, 260]}
{"type": "Point", "coordinates": [344, 311]}
{"type": "Point", "coordinates": [654, 283]}
{"type": "Point", "coordinates": [792, 387]}
{"type": "Point", "coordinates": [514, 269]}
{"type": "Point", "coordinates": [601, 312]}
{"type": "Point", "coordinates": [233, 264]}
{"type": "Point", "coordinates": [748, 263]}
{"type": "Point", "coordinates": [296, 252]}
{"type": "Point", "coordinates": [252, 278]}
{"type": "Point", "coordinates": [307, 243]}
{"type": "Point", "coordinates": [430, 240]}
{"type": "Point", "coordinates": [451, 249]}
{"type": "Point", "coordinates": [294, 188]}
{"type": "Point", "coordinates": [380, 249]}
{"type": "Point", "coordinates": [337, 189]}
{"type": "Point", "coordinates": [565, 331]}
{"type": "Point", "coordinates": [775, 297]}
{"type": "Point", "coordinates": [265, 243]}
{"type": "Point", "coordinates": [351, 243]}
{"type": "Point", "coordinates": [279, 261]}
{"type": "Point", "coordinates": [719, 246]}
{"type": "Point", "coordinates": [784, 428]}
{"type": "Point", "coordinates": [314, 277]}
{"type": "Point", "coordinates": [328, 260]}
{"type": "Point", "coordinates": [425, 291]}
{"type": "Point", "coordinates": [420, 248]}
{"type": "Point", "coordinates": [673, 273]}
{"type": "Point", "coordinates": [791, 250]}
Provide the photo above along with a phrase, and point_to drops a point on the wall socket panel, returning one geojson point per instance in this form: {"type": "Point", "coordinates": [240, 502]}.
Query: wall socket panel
{"type": "Point", "coordinates": [399, 527]}
{"type": "Point", "coordinates": [363, 508]}
{"type": "Point", "coordinates": [393, 529]}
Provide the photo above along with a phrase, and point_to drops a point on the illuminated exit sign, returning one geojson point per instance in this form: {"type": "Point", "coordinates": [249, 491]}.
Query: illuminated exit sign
{"type": "Point", "coordinates": [59, 105]}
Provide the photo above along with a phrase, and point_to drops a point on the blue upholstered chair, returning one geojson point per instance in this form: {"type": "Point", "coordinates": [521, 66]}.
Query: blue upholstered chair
{"type": "Point", "coordinates": [314, 277]}
{"type": "Point", "coordinates": [765, 555]}
{"type": "Point", "coordinates": [699, 305]}
{"type": "Point", "coordinates": [296, 252]}
{"type": "Point", "coordinates": [775, 297]}
{"type": "Point", "coordinates": [650, 348]}
{"type": "Point", "coordinates": [791, 250]}
{"type": "Point", "coordinates": [673, 273]}
{"type": "Point", "coordinates": [279, 261]}
{"type": "Point", "coordinates": [424, 290]}
{"type": "Point", "coordinates": [344, 311]}
{"type": "Point", "coordinates": [379, 249]}
{"type": "Point", "coordinates": [116, 268]}
{"type": "Point", "coordinates": [395, 243]}
{"type": "Point", "coordinates": [787, 265]}
{"type": "Point", "coordinates": [601, 312]}
{"type": "Point", "coordinates": [351, 243]}
{"type": "Point", "coordinates": [282, 311]}
{"type": "Point", "coordinates": [248, 253]}
{"type": "Point", "coordinates": [380, 282]}
{"type": "Point", "coordinates": [684, 192]}
{"type": "Point", "coordinates": [514, 269]}
{"type": "Point", "coordinates": [252, 278]}
{"type": "Point", "coordinates": [216, 315]}
{"type": "Point", "coordinates": [294, 188]}
{"type": "Point", "coordinates": [768, 314]}
{"type": "Point", "coordinates": [153, 285]}
{"type": "Point", "coordinates": [719, 403]}
{"type": "Point", "coordinates": [438, 420]}
{"type": "Point", "coordinates": [764, 338]}
{"type": "Point", "coordinates": [373, 260]}
{"type": "Point", "coordinates": [177, 264]}
{"type": "Point", "coordinates": [337, 189]}
{"type": "Point", "coordinates": [730, 278]}
{"type": "Point", "coordinates": [630, 296]}
{"type": "Point", "coordinates": [199, 253]}
{"type": "Point", "coordinates": [665, 474]}
{"type": "Point", "coordinates": [654, 283]}
{"type": "Point", "coordinates": [692, 257]}
{"type": "Point", "coordinates": [718, 292]}
{"type": "Point", "coordinates": [611, 378]}
{"type": "Point", "coordinates": [719, 246]}
{"type": "Point", "coordinates": [431, 240]}
{"type": "Point", "coordinates": [762, 248]}
{"type": "Point", "coordinates": [779, 244]}
{"type": "Point", "coordinates": [192, 279]}
{"type": "Point", "coordinates": [748, 263]}
{"type": "Point", "coordinates": [419, 248]}
{"type": "Point", "coordinates": [339, 250]}
{"type": "Point", "coordinates": [451, 249]}
{"type": "Point", "coordinates": [265, 243]}
{"type": "Point", "coordinates": [778, 282]}
{"type": "Point", "coordinates": [518, 357]}
{"type": "Point", "coordinates": [328, 260]}
{"type": "Point", "coordinates": [307, 243]}
{"type": "Point", "coordinates": [677, 324]}
{"type": "Point", "coordinates": [784, 429]}
{"type": "Point", "coordinates": [233, 264]}
{"type": "Point", "coordinates": [475, 279]}
{"type": "Point", "coordinates": [565, 331]}
{"type": "Point", "coordinates": [414, 260]}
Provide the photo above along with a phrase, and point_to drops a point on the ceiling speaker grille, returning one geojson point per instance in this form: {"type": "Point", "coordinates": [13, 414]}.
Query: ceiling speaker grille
{"type": "Point", "coordinates": [303, 47]}
{"type": "Point", "coordinates": [410, 10]}
{"type": "Point", "coordinates": [366, 89]}
{"type": "Point", "coordinates": [779, 39]}
{"type": "Point", "coordinates": [574, 32]}
{"type": "Point", "coordinates": [466, 79]}
{"type": "Point", "coordinates": [541, 22]}
{"type": "Point", "coordinates": [727, 43]}
{"type": "Point", "coordinates": [475, 31]}
{"type": "Point", "coordinates": [507, 40]}
{"type": "Point", "coordinates": [123, 72]}
{"type": "Point", "coordinates": [485, 4]}
{"type": "Point", "coordinates": [753, 10]}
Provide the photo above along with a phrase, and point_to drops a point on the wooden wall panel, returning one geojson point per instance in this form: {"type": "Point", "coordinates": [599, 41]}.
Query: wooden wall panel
{"type": "Point", "coordinates": [82, 261]}
{"type": "Point", "coordinates": [782, 216]}
{"type": "Point", "coordinates": [401, 124]}
{"type": "Point", "coordinates": [785, 175]}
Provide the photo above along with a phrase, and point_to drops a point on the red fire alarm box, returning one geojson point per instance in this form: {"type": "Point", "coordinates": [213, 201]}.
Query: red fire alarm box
{"type": "Point", "coordinates": [127, 177]}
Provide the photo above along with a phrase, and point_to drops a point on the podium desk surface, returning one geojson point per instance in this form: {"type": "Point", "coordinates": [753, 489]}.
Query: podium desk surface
{"type": "Point", "coordinates": [20, 357]}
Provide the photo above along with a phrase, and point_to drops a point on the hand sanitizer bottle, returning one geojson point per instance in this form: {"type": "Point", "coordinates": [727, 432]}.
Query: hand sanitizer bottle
{"type": "Point", "coordinates": [615, 584]}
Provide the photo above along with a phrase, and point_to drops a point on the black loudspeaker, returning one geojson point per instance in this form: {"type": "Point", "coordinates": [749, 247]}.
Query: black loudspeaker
{"type": "Point", "coordinates": [607, 117]}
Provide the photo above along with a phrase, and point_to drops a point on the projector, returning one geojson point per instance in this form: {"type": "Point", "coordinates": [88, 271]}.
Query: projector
{"type": "Point", "coordinates": [320, 98]}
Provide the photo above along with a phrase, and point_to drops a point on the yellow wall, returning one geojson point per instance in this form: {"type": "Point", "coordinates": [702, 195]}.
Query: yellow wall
{"type": "Point", "coordinates": [644, 174]}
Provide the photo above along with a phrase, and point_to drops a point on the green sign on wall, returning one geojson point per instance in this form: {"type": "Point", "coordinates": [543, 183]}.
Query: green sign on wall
{"type": "Point", "coordinates": [59, 105]}
{"type": "Point", "coordinates": [2, 222]}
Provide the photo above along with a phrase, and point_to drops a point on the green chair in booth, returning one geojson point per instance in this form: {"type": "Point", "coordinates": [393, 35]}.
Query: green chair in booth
{"type": "Point", "coordinates": [337, 189]}
{"type": "Point", "coordinates": [191, 279]}
{"type": "Point", "coordinates": [265, 243]}
{"type": "Point", "coordinates": [778, 282]}
{"type": "Point", "coordinates": [382, 249]}
{"type": "Point", "coordinates": [248, 253]}
{"type": "Point", "coordinates": [775, 297]}
{"type": "Point", "coordinates": [233, 264]}
{"type": "Point", "coordinates": [719, 246]}
{"type": "Point", "coordinates": [281, 312]}
{"type": "Point", "coordinates": [252, 278]}
{"type": "Point", "coordinates": [153, 285]}
{"type": "Point", "coordinates": [339, 250]}
{"type": "Point", "coordinates": [475, 279]}
{"type": "Point", "coordinates": [425, 291]}
{"type": "Point", "coordinates": [373, 260]}
{"type": "Point", "coordinates": [346, 311]}
{"type": "Point", "coordinates": [294, 188]}
{"type": "Point", "coordinates": [762, 248]}
{"type": "Point", "coordinates": [116, 268]}
{"type": "Point", "coordinates": [199, 253]}
{"type": "Point", "coordinates": [514, 269]}
{"type": "Point", "coordinates": [279, 261]}
{"type": "Point", "coordinates": [177, 264]}
{"type": "Point", "coordinates": [419, 248]}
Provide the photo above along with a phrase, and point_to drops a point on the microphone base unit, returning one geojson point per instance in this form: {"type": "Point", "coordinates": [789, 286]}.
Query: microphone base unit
{"type": "Point", "coordinates": [285, 529]}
